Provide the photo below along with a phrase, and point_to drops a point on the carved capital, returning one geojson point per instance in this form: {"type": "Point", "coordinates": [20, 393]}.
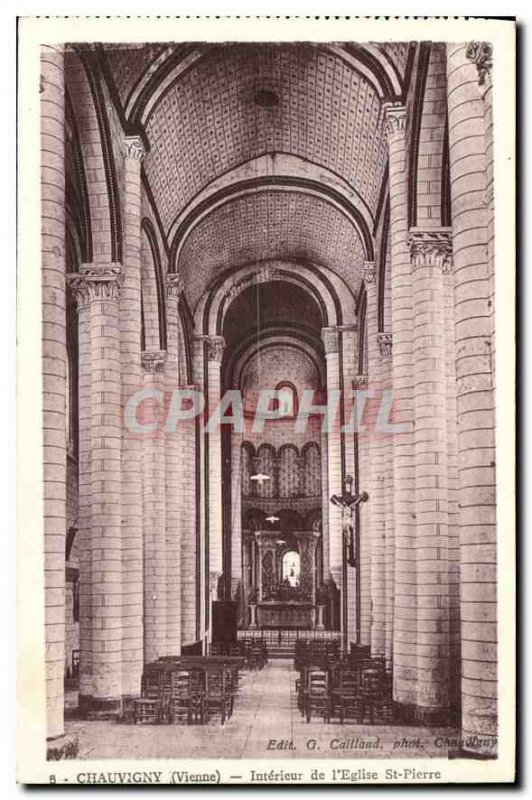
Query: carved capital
{"type": "Point", "coordinates": [360, 382]}
{"type": "Point", "coordinates": [215, 348]}
{"type": "Point", "coordinates": [174, 285]}
{"type": "Point", "coordinates": [134, 148]}
{"type": "Point", "coordinates": [96, 282]}
{"type": "Point", "coordinates": [395, 119]}
{"type": "Point", "coordinates": [384, 343]}
{"type": "Point", "coordinates": [369, 272]}
{"type": "Point", "coordinates": [431, 248]}
{"type": "Point", "coordinates": [330, 339]}
{"type": "Point", "coordinates": [481, 54]}
{"type": "Point", "coordinates": [153, 360]}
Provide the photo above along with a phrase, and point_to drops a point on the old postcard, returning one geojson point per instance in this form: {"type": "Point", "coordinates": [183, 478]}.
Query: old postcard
{"type": "Point", "coordinates": [266, 401]}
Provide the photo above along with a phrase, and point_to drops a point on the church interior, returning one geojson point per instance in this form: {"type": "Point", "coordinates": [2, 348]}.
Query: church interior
{"type": "Point", "coordinates": [312, 220]}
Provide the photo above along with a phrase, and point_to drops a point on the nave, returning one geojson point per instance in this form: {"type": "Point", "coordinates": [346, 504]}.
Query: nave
{"type": "Point", "coordinates": [278, 231]}
{"type": "Point", "coordinates": [266, 713]}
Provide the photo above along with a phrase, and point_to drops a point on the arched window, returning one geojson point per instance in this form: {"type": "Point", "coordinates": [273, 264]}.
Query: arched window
{"type": "Point", "coordinates": [246, 465]}
{"type": "Point", "coordinates": [291, 567]}
{"type": "Point", "coordinates": [312, 470]}
{"type": "Point", "coordinates": [286, 401]}
{"type": "Point", "coordinates": [266, 465]}
{"type": "Point", "coordinates": [289, 472]}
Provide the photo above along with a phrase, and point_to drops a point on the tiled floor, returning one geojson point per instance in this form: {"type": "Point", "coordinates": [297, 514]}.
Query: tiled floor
{"type": "Point", "coordinates": [265, 723]}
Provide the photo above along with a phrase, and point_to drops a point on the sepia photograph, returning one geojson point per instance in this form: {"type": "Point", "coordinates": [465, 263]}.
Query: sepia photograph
{"type": "Point", "coordinates": [267, 347]}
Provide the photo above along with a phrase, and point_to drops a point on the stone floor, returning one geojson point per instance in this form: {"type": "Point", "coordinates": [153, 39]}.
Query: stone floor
{"type": "Point", "coordinates": [266, 723]}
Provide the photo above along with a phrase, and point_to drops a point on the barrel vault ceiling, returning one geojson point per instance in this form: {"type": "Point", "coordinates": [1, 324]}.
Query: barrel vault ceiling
{"type": "Point", "coordinates": [207, 110]}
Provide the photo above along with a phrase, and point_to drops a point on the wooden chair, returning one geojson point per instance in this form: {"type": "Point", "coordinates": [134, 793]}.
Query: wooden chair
{"type": "Point", "coordinates": [317, 698]}
{"type": "Point", "coordinates": [217, 697]}
{"type": "Point", "coordinates": [149, 707]}
{"type": "Point", "coordinates": [347, 699]}
{"type": "Point", "coordinates": [186, 696]}
{"type": "Point", "coordinates": [376, 695]}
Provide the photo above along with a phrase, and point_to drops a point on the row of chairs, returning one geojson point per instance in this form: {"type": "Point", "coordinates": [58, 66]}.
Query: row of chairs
{"type": "Point", "coordinates": [253, 651]}
{"type": "Point", "coordinates": [316, 652]}
{"type": "Point", "coordinates": [187, 690]}
{"type": "Point", "coordinates": [355, 689]}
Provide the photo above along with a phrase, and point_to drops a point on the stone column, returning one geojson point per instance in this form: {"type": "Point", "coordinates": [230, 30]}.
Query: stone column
{"type": "Point", "coordinates": [82, 296]}
{"type": "Point", "coordinates": [367, 510]}
{"type": "Point", "coordinates": [175, 475]}
{"type": "Point", "coordinates": [431, 257]}
{"type": "Point", "coordinates": [330, 338]}
{"type": "Point", "coordinates": [54, 377]}
{"type": "Point", "coordinates": [380, 349]}
{"type": "Point", "coordinates": [350, 358]}
{"type": "Point", "coordinates": [236, 518]}
{"type": "Point", "coordinates": [452, 493]}
{"type": "Point", "coordinates": [201, 499]}
{"type": "Point", "coordinates": [405, 608]}
{"type": "Point", "coordinates": [214, 353]}
{"type": "Point", "coordinates": [475, 396]}
{"type": "Point", "coordinates": [130, 336]}
{"type": "Point", "coordinates": [481, 53]}
{"type": "Point", "coordinates": [325, 505]}
{"type": "Point", "coordinates": [191, 517]}
{"type": "Point", "coordinates": [98, 286]}
{"type": "Point", "coordinates": [153, 502]}
{"type": "Point", "coordinates": [386, 488]}
{"type": "Point", "coordinates": [373, 540]}
{"type": "Point", "coordinates": [361, 384]}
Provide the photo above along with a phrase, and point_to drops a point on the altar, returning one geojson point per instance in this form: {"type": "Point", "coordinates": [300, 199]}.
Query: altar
{"type": "Point", "coordinates": [283, 614]}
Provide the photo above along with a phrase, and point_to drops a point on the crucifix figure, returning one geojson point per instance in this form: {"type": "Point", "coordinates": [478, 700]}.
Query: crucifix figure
{"type": "Point", "coordinates": [348, 502]}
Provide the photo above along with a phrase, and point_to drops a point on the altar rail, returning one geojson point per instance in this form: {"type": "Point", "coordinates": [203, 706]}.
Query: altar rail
{"type": "Point", "coordinates": [288, 637]}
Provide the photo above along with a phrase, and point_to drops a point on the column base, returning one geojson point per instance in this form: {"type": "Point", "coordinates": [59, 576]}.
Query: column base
{"type": "Point", "coordinates": [471, 755]}
{"type": "Point", "coordinates": [100, 708]}
{"type": "Point", "coordinates": [62, 747]}
{"type": "Point", "coordinates": [410, 714]}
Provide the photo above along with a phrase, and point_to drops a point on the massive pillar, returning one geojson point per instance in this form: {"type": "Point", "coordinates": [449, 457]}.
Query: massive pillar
{"type": "Point", "coordinates": [330, 338]}
{"type": "Point", "coordinates": [366, 427]}
{"type": "Point", "coordinates": [405, 608]}
{"type": "Point", "coordinates": [130, 355]}
{"type": "Point", "coordinates": [54, 377]}
{"type": "Point", "coordinates": [153, 503]}
{"type": "Point", "coordinates": [84, 487]}
{"type": "Point", "coordinates": [364, 543]}
{"type": "Point", "coordinates": [235, 526]}
{"type": "Point", "coordinates": [350, 358]}
{"type": "Point", "coordinates": [386, 451]}
{"type": "Point", "coordinates": [431, 258]}
{"type": "Point", "coordinates": [379, 558]}
{"type": "Point", "coordinates": [480, 53]}
{"type": "Point", "coordinates": [200, 444]}
{"type": "Point", "coordinates": [473, 304]}
{"type": "Point", "coordinates": [97, 288]}
{"type": "Point", "coordinates": [325, 501]}
{"type": "Point", "coordinates": [214, 346]}
{"type": "Point", "coordinates": [374, 558]}
{"type": "Point", "coordinates": [175, 475]}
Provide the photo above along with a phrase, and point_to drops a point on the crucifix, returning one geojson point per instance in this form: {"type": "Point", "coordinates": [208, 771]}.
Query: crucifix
{"type": "Point", "coordinates": [348, 502]}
